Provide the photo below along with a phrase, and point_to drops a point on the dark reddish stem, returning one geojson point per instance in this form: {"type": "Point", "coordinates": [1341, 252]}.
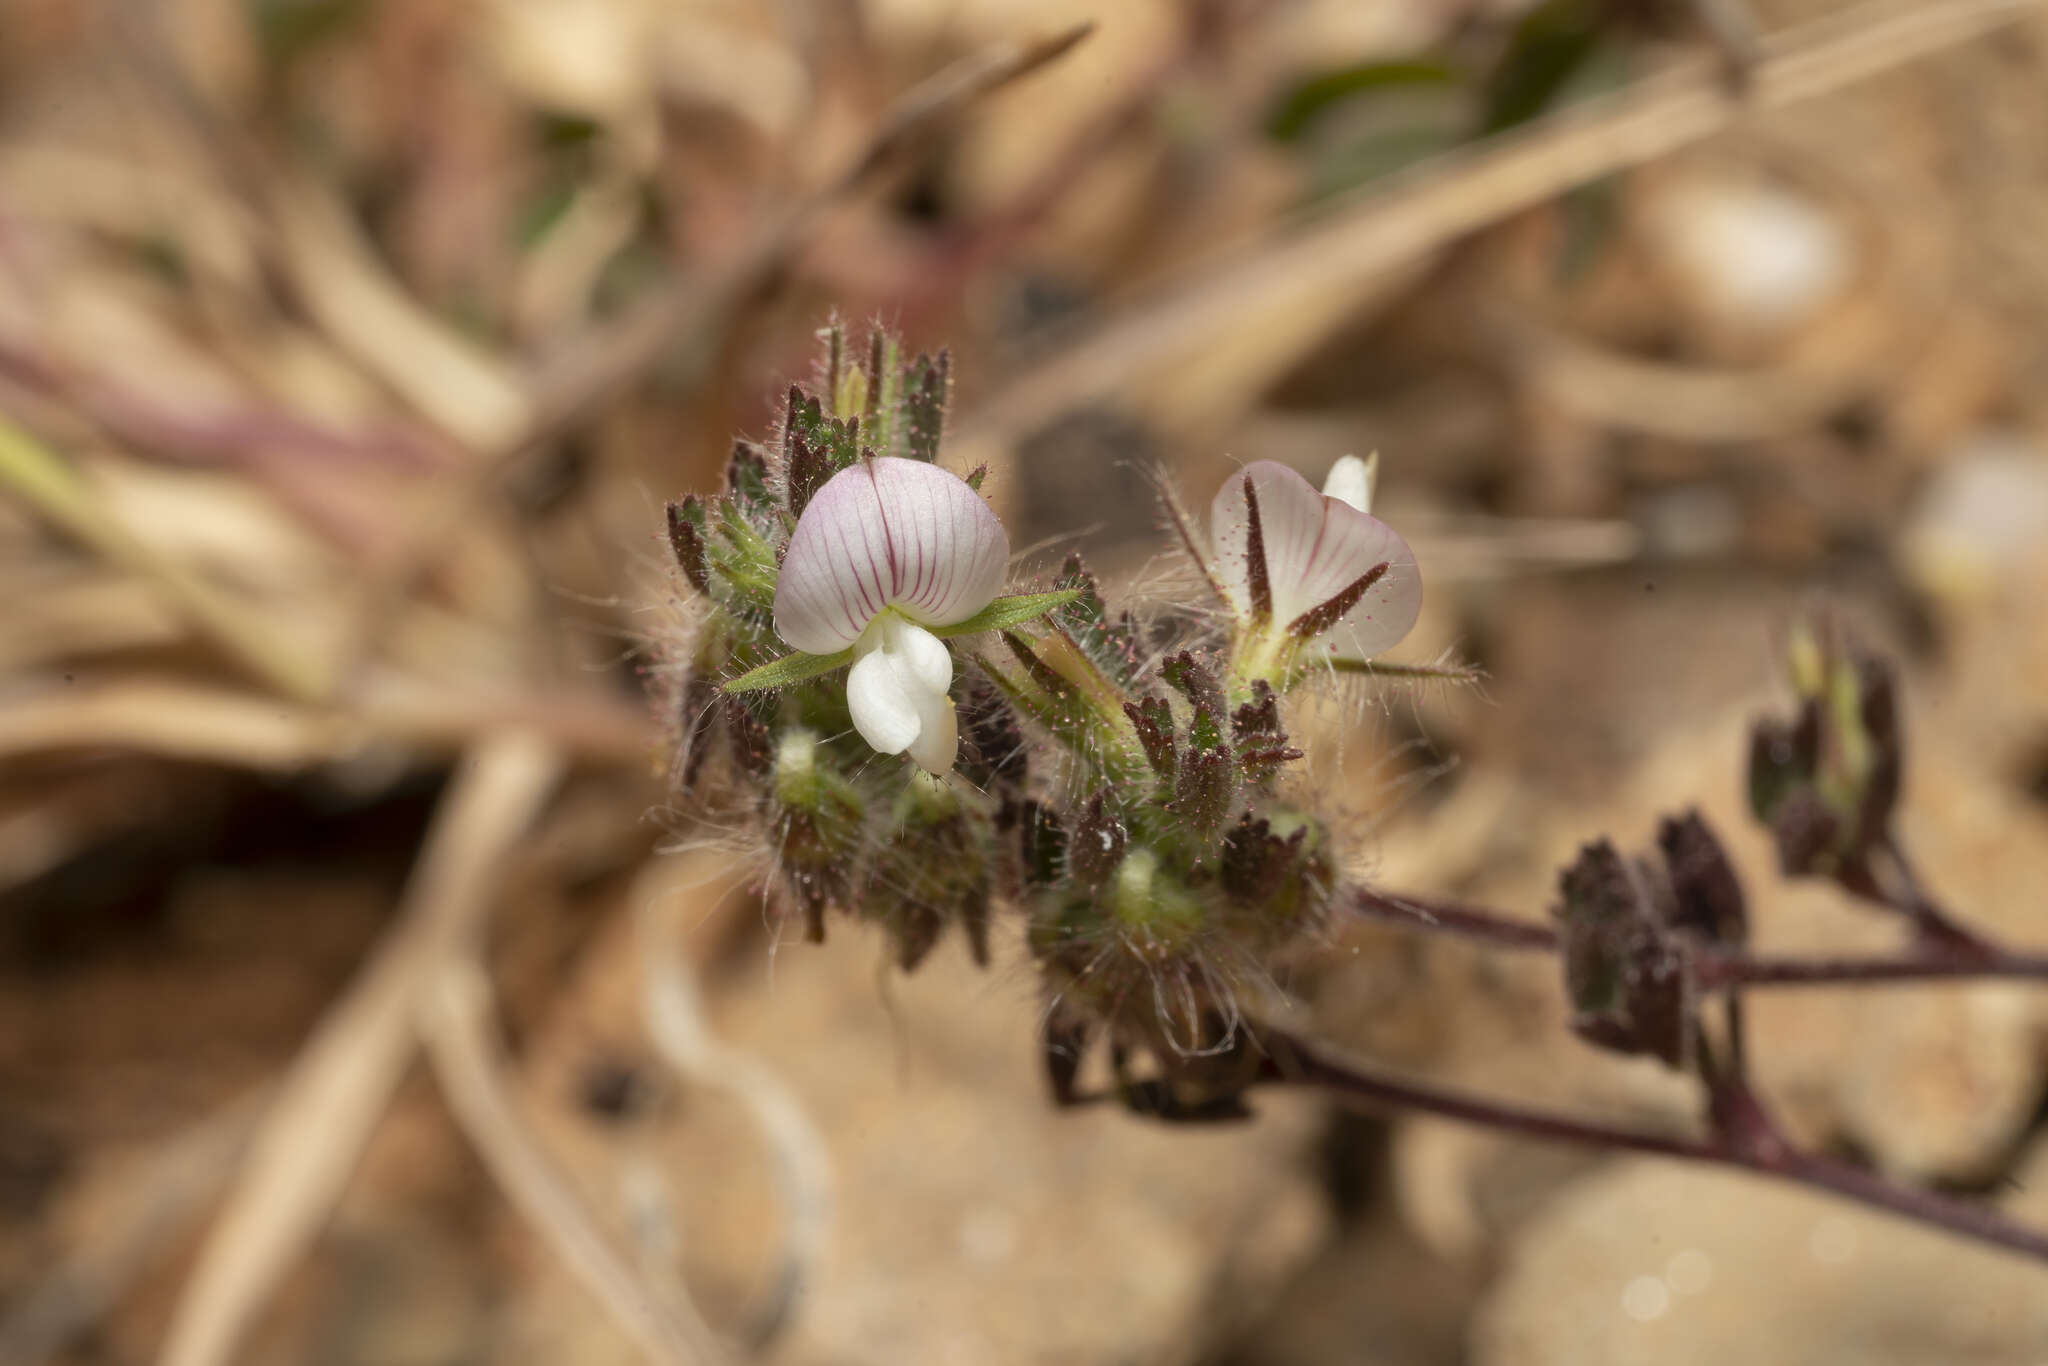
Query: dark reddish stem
{"type": "Point", "coordinates": [1454, 918]}
{"type": "Point", "coordinates": [1720, 969]}
{"type": "Point", "coordinates": [1929, 960]}
{"type": "Point", "coordinates": [1745, 1140]}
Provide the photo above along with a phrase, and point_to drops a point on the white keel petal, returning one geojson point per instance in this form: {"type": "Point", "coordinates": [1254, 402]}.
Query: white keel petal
{"type": "Point", "coordinates": [938, 735]}
{"type": "Point", "coordinates": [922, 654]}
{"type": "Point", "coordinates": [883, 710]}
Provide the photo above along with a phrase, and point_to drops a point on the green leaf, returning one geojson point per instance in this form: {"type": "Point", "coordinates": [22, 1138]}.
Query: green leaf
{"type": "Point", "coordinates": [1553, 45]}
{"type": "Point", "coordinates": [1007, 612]}
{"type": "Point", "coordinates": [1302, 105]}
{"type": "Point", "coordinates": [780, 673]}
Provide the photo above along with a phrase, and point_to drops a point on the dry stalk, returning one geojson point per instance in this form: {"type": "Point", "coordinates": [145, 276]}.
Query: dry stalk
{"type": "Point", "coordinates": [251, 731]}
{"type": "Point", "coordinates": [342, 1080]}
{"type": "Point", "coordinates": [60, 494]}
{"type": "Point", "coordinates": [1385, 227]}
{"type": "Point", "coordinates": [455, 1019]}
{"type": "Point", "coordinates": [672, 1012]}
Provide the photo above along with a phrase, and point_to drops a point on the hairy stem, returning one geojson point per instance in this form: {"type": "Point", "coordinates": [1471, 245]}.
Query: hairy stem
{"type": "Point", "coordinates": [1751, 1144]}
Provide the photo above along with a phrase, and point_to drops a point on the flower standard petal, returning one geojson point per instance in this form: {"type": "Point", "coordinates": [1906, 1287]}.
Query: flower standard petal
{"type": "Point", "coordinates": [1364, 572]}
{"type": "Point", "coordinates": [886, 533]}
{"type": "Point", "coordinates": [1329, 570]}
{"type": "Point", "coordinates": [883, 550]}
{"type": "Point", "coordinates": [1267, 508]}
{"type": "Point", "coordinates": [954, 550]}
{"type": "Point", "coordinates": [1268, 505]}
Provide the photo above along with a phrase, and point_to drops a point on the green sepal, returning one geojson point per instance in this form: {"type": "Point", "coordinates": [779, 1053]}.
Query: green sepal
{"type": "Point", "coordinates": [1452, 672]}
{"type": "Point", "coordinates": [780, 673]}
{"type": "Point", "coordinates": [997, 616]}
{"type": "Point", "coordinates": [1004, 613]}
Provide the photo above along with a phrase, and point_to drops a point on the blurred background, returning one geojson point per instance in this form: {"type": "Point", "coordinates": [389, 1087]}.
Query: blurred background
{"type": "Point", "coordinates": [350, 348]}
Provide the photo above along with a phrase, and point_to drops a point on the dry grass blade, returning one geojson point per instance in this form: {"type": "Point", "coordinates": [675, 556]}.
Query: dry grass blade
{"type": "Point", "coordinates": [43, 480]}
{"type": "Point", "coordinates": [343, 286]}
{"type": "Point", "coordinates": [670, 1007]}
{"type": "Point", "coordinates": [1386, 226]}
{"type": "Point", "coordinates": [248, 730]}
{"type": "Point", "coordinates": [464, 391]}
{"type": "Point", "coordinates": [181, 721]}
{"type": "Point", "coordinates": [343, 1078]}
{"type": "Point", "coordinates": [52, 617]}
{"type": "Point", "coordinates": [590, 370]}
{"type": "Point", "coordinates": [456, 1019]}
{"type": "Point", "coordinates": [933, 101]}
{"type": "Point", "coordinates": [1479, 548]}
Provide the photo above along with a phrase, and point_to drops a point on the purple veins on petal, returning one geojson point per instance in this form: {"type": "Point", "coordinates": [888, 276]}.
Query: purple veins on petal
{"type": "Point", "coordinates": [887, 532]}
{"type": "Point", "coordinates": [1315, 549]}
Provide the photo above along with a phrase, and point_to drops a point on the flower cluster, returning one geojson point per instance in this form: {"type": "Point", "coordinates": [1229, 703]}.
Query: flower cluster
{"type": "Point", "coordinates": [1134, 803]}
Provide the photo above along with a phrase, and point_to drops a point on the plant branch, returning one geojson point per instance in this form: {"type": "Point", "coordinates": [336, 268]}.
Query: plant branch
{"type": "Point", "coordinates": [673, 1014]}
{"type": "Point", "coordinates": [308, 1141]}
{"type": "Point", "coordinates": [1717, 968]}
{"type": "Point", "coordinates": [1889, 880]}
{"type": "Point", "coordinates": [460, 1036]}
{"type": "Point", "coordinates": [1747, 1143]}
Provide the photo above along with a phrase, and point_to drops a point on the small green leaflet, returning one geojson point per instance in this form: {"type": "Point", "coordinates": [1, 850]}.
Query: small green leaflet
{"type": "Point", "coordinates": [1007, 612]}
{"type": "Point", "coordinates": [997, 616]}
{"type": "Point", "coordinates": [789, 669]}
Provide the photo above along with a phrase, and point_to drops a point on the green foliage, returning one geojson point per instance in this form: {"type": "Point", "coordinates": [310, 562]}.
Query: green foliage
{"type": "Point", "coordinates": [1301, 106]}
{"type": "Point", "coordinates": [1553, 44]}
{"type": "Point", "coordinates": [796, 668]}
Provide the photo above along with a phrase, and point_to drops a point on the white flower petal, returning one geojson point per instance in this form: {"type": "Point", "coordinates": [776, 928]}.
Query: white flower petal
{"type": "Point", "coordinates": [1350, 481]}
{"type": "Point", "coordinates": [887, 533]}
{"type": "Point", "coordinates": [921, 654]}
{"type": "Point", "coordinates": [896, 692]}
{"type": "Point", "coordinates": [884, 711]}
{"type": "Point", "coordinates": [1386, 614]}
{"type": "Point", "coordinates": [1315, 548]}
{"type": "Point", "coordinates": [938, 736]}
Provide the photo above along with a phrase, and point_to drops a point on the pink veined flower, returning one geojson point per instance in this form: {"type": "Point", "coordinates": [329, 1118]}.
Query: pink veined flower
{"type": "Point", "coordinates": [1316, 568]}
{"type": "Point", "coordinates": [885, 549]}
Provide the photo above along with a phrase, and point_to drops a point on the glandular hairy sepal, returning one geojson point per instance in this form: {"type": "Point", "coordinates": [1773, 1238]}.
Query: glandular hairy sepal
{"type": "Point", "coordinates": [686, 525]}
{"type": "Point", "coordinates": [1152, 721]}
{"type": "Point", "coordinates": [1042, 846]}
{"type": "Point", "coordinates": [1257, 735]}
{"type": "Point", "coordinates": [819, 819]}
{"type": "Point", "coordinates": [1203, 792]}
{"type": "Point", "coordinates": [1098, 844]}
